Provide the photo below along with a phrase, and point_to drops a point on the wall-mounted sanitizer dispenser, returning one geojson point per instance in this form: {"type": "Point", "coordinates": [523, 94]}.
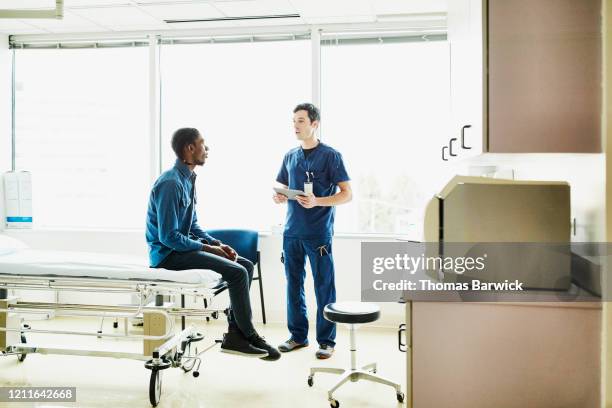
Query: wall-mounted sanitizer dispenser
{"type": "Point", "coordinates": [18, 199]}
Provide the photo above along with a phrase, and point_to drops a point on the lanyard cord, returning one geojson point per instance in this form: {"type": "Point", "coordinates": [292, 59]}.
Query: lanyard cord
{"type": "Point", "coordinates": [309, 173]}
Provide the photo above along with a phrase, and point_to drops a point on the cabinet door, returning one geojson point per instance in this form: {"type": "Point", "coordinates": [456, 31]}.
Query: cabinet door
{"type": "Point", "coordinates": [544, 76]}
{"type": "Point", "coordinates": [466, 38]}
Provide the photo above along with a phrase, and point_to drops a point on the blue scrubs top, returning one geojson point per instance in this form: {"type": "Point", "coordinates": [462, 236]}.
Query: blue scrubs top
{"type": "Point", "coordinates": [327, 170]}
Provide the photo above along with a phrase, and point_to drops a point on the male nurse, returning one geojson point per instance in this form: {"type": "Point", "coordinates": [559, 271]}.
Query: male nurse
{"type": "Point", "coordinates": [318, 170]}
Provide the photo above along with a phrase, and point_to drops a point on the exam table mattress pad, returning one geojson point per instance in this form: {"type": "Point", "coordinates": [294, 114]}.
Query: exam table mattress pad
{"type": "Point", "coordinates": [34, 263]}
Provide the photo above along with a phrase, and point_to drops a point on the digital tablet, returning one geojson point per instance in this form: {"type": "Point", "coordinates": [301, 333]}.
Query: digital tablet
{"type": "Point", "coordinates": [290, 194]}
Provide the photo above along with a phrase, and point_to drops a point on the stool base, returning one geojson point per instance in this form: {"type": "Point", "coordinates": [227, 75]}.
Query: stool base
{"type": "Point", "coordinates": [367, 372]}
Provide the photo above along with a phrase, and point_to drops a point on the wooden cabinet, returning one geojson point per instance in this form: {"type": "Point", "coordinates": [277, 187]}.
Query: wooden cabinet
{"type": "Point", "coordinates": [483, 355]}
{"type": "Point", "coordinates": [525, 76]}
{"type": "Point", "coordinates": [544, 61]}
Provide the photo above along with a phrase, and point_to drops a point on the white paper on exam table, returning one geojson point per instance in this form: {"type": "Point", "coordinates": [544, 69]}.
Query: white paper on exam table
{"type": "Point", "coordinates": [290, 194]}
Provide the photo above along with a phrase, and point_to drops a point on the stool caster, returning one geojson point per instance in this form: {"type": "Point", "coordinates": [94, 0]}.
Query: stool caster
{"type": "Point", "coordinates": [310, 381]}
{"type": "Point", "coordinates": [334, 403]}
{"type": "Point", "coordinates": [400, 397]}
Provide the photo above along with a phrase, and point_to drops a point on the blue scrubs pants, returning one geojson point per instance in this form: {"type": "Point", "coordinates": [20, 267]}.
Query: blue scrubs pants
{"type": "Point", "coordinates": [319, 253]}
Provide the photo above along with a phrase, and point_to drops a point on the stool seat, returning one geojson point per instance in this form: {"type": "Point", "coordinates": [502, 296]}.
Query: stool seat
{"type": "Point", "coordinates": [351, 312]}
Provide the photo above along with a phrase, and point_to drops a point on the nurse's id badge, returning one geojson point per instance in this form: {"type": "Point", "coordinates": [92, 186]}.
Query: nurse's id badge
{"type": "Point", "coordinates": [308, 187]}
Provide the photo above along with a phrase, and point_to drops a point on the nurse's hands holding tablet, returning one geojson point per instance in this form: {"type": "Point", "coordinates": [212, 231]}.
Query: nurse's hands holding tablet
{"type": "Point", "coordinates": [307, 201]}
{"type": "Point", "coordinates": [279, 198]}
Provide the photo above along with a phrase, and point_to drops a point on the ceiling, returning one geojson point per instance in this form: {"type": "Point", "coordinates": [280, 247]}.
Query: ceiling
{"type": "Point", "coordinates": [82, 16]}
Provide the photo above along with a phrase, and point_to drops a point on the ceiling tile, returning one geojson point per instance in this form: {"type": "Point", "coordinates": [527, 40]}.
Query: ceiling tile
{"type": "Point", "coordinates": [382, 7]}
{"type": "Point", "coordinates": [113, 17]}
{"type": "Point", "coordinates": [30, 30]}
{"type": "Point", "coordinates": [194, 11]}
{"type": "Point", "coordinates": [14, 26]}
{"type": "Point", "coordinates": [237, 23]}
{"type": "Point", "coordinates": [336, 8]}
{"type": "Point", "coordinates": [169, 2]}
{"type": "Point", "coordinates": [27, 4]}
{"type": "Point", "coordinates": [255, 7]}
{"type": "Point", "coordinates": [70, 22]}
{"type": "Point", "coordinates": [340, 19]}
{"type": "Point", "coordinates": [11, 23]}
{"type": "Point", "coordinates": [76, 4]}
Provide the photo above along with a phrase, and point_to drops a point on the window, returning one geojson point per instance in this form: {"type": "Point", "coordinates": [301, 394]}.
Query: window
{"type": "Point", "coordinates": [82, 130]}
{"type": "Point", "coordinates": [241, 97]}
{"type": "Point", "coordinates": [386, 108]}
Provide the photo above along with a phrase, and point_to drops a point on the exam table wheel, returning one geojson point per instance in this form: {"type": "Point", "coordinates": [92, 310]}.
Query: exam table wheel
{"type": "Point", "coordinates": [155, 385]}
{"type": "Point", "coordinates": [22, 356]}
{"type": "Point", "coordinates": [310, 381]}
{"type": "Point", "coordinates": [189, 366]}
{"type": "Point", "coordinates": [400, 397]}
{"type": "Point", "coordinates": [334, 403]}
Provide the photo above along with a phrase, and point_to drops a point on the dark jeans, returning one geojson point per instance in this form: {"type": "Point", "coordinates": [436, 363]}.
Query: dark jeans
{"type": "Point", "coordinates": [238, 276]}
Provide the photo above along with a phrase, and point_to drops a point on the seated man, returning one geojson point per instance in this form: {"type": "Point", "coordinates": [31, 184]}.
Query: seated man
{"type": "Point", "coordinates": [177, 242]}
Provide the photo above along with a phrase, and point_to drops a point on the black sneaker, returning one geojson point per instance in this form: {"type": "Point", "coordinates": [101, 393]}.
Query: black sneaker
{"type": "Point", "coordinates": [235, 343]}
{"type": "Point", "coordinates": [259, 342]}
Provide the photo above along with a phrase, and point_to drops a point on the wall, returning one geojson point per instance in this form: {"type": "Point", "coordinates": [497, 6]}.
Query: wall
{"type": "Point", "coordinates": [5, 115]}
{"type": "Point", "coordinates": [585, 174]}
{"type": "Point", "coordinates": [607, 126]}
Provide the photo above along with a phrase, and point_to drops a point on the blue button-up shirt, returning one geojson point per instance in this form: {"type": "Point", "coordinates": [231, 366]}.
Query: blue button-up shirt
{"type": "Point", "coordinates": [172, 223]}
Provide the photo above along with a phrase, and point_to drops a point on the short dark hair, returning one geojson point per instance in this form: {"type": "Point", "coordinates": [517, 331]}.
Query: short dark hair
{"type": "Point", "coordinates": [183, 137]}
{"type": "Point", "coordinates": [313, 111]}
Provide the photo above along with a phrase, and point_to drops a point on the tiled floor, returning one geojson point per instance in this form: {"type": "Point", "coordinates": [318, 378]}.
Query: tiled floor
{"type": "Point", "coordinates": [224, 381]}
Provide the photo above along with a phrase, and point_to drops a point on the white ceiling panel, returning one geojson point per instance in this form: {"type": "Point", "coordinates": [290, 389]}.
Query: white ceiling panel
{"type": "Point", "coordinates": [340, 19]}
{"type": "Point", "coordinates": [255, 7]}
{"type": "Point", "coordinates": [11, 26]}
{"type": "Point", "coordinates": [8, 23]}
{"type": "Point", "coordinates": [237, 23]}
{"type": "Point", "coordinates": [15, 31]}
{"type": "Point", "coordinates": [27, 4]}
{"type": "Point", "coordinates": [335, 8]}
{"type": "Point", "coordinates": [70, 22]}
{"type": "Point", "coordinates": [118, 17]}
{"type": "Point", "coordinates": [92, 3]}
{"type": "Point", "coordinates": [163, 2]}
{"type": "Point", "coordinates": [194, 11]}
{"type": "Point", "coordinates": [409, 6]}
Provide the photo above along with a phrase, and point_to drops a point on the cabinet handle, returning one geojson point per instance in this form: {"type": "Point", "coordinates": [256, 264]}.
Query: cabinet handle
{"type": "Point", "coordinates": [401, 346]}
{"type": "Point", "coordinates": [443, 149]}
{"type": "Point", "coordinates": [463, 146]}
{"type": "Point", "coordinates": [450, 144]}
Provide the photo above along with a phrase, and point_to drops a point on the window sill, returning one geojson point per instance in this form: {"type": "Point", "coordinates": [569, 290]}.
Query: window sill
{"type": "Point", "coordinates": [262, 233]}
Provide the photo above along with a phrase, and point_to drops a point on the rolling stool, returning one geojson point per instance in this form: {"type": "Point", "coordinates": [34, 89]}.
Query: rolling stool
{"type": "Point", "coordinates": [353, 313]}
